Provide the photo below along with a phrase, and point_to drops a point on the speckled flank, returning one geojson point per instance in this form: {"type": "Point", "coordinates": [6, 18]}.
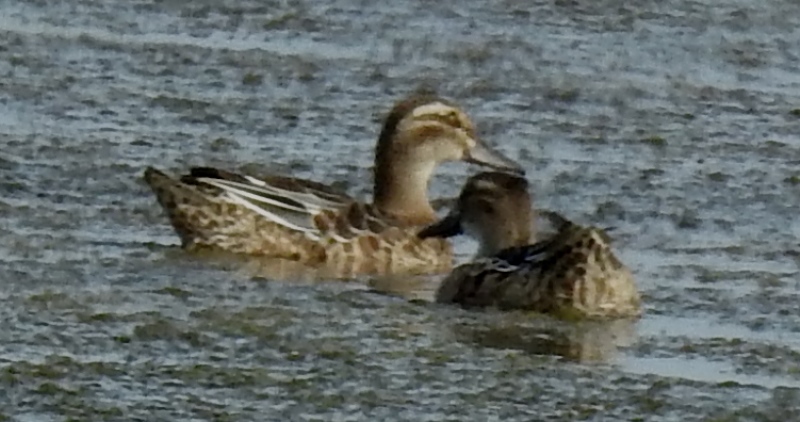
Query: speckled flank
{"type": "Point", "coordinates": [304, 221]}
{"type": "Point", "coordinates": [573, 273]}
{"type": "Point", "coordinates": [204, 217]}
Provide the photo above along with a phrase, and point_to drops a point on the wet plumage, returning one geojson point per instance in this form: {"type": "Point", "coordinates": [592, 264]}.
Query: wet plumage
{"type": "Point", "coordinates": [573, 273]}
{"type": "Point", "coordinates": [309, 222]}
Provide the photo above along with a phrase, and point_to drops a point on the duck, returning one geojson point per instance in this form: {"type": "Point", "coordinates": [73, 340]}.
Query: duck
{"type": "Point", "coordinates": [571, 274]}
{"type": "Point", "coordinates": [314, 224]}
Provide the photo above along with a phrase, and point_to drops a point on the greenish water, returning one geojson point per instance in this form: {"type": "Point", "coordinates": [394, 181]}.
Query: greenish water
{"type": "Point", "coordinates": [676, 122]}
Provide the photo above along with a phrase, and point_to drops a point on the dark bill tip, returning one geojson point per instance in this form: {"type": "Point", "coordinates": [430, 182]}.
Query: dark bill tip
{"type": "Point", "coordinates": [448, 226]}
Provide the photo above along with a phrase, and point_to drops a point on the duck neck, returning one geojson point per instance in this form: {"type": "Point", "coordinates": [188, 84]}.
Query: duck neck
{"type": "Point", "coordinates": [514, 231]}
{"type": "Point", "coordinates": [492, 245]}
{"type": "Point", "coordinates": [401, 190]}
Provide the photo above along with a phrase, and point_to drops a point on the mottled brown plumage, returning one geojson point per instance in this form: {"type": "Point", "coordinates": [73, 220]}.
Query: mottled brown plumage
{"type": "Point", "coordinates": [309, 222]}
{"type": "Point", "coordinates": [573, 273]}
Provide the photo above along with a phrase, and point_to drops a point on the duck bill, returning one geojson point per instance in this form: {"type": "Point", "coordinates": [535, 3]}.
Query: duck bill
{"type": "Point", "coordinates": [448, 226]}
{"type": "Point", "coordinates": [484, 155]}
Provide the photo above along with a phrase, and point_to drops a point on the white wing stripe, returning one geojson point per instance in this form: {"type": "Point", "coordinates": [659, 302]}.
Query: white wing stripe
{"type": "Point", "coordinates": [313, 234]}
{"type": "Point", "coordinates": [255, 181]}
{"type": "Point", "coordinates": [255, 193]}
{"type": "Point", "coordinates": [307, 199]}
{"type": "Point", "coordinates": [229, 188]}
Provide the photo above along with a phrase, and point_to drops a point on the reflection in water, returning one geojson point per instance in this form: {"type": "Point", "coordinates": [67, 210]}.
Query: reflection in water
{"type": "Point", "coordinates": [585, 342]}
{"type": "Point", "coordinates": [419, 288]}
{"type": "Point", "coordinates": [409, 287]}
{"type": "Point", "coordinates": [281, 270]}
{"type": "Point", "coordinates": [252, 267]}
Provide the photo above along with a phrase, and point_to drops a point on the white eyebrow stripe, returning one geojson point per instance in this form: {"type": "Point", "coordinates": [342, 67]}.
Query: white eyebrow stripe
{"type": "Point", "coordinates": [432, 108]}
{"type": "Point", "coordinates": [483, 184]}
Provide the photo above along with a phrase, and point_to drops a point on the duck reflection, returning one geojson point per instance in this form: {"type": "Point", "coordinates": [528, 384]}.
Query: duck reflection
{"type": "Point", "coordinates": [584, 342]}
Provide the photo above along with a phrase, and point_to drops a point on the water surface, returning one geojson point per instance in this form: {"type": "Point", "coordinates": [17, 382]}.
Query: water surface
{"type": "Point", "coordinates": [674, 121]}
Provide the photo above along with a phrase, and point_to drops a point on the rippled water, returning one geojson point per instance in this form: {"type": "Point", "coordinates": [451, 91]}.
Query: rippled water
{"type": "Point", "coordinates": [677, 122]}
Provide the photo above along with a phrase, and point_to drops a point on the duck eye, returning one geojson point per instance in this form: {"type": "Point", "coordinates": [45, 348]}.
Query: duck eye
{"type": "Point", "coordinates": [453, 120]}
